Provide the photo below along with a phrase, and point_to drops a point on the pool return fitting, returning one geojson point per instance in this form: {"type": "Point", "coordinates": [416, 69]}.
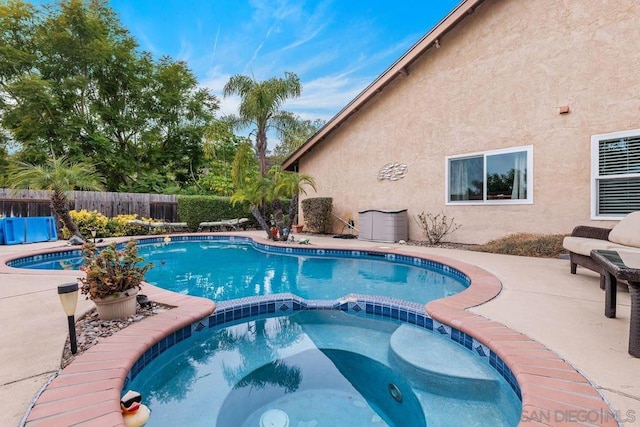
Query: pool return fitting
{"type": "Point", "coordinates": [395, 392]}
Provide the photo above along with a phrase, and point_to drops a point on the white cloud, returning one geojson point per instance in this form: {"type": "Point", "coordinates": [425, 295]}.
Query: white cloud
{"type": "Point", "coordinates": [297, 40]}
{"type": "Point", "coordinates": [229, 105]}
{"type": "Point", "coordinates": [145, 43]}
{"type": "Point", "coordinates": [215, 82]}
{"type": "Point", "coordinates": [305, 38]}
{"type": "Point", "coordinates": [267, 10]}
{"type": "Point", "coordinates": [321, 98]}
{"type": "Point", "coordinates": [325, 97]}
{"type": "Point", "coordinates": [186, 50]}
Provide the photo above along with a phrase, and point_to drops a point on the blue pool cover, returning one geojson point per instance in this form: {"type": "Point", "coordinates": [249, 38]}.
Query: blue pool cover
{"type": "Point", "coordinates": [17, 230]}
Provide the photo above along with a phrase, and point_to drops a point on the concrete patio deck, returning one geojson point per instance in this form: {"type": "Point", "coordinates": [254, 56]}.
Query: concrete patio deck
{"type": "Point", "coordinates": [539, 298]}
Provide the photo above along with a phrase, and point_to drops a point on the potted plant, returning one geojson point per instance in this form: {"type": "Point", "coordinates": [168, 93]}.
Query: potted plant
{"type": "Point", "coordinates": [295, 225]}
{"type": "Point", "coordinates": [113, 278]}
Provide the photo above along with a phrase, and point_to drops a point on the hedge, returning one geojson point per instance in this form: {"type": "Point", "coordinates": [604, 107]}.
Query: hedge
{"type": "Point", "coordinates": [317, 214]}
{"type": "Point", "coordinates": [196, 209]}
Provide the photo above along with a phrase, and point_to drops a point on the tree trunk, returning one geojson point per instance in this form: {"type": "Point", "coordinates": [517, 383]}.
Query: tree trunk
{"type": "Point", "coordinates": [293, 210]}
{"type": "Point", "coordinates": [60, 208]}
{"type": "Point", "coordinates": [278, 216]}
{"type": "Point", "coordinates": [261, 148]}
{"type": "Point", "coordinates": [260, 218]}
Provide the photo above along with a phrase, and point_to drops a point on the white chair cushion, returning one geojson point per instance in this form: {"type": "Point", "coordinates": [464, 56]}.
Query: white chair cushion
{"type": "Point", "coordinates": [584, 245]}
{"type": "Point", "coordinates": [627, 232]}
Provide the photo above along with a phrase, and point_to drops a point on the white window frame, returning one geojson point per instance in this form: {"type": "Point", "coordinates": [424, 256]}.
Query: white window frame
{"type": "Point", "coordinates": [528, 201]}
{"type": "Point", "coordinates": [595, 171]}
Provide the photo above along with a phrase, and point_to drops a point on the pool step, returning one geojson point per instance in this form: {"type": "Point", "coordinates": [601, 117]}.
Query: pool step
{"type": "Point", "coordinates": [440, 365]}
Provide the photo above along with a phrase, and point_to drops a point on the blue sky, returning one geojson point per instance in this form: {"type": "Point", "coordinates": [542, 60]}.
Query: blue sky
{"type": "Point", "coordinates": [336, 47]}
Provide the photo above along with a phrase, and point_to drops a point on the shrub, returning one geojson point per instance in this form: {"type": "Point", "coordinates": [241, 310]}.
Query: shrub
{"type": "Point", "coordinates": [86, 222]}
{"type": "Point", "coordinates": [317, 214]}
{"type": "Point", "coordinates": [526, 244]}
{"type": "Point", "coordinates": [196, 209]}
{"type": "Point", "coordinates": [435, 227]}
{"type": "Point", "coordinates": [120, 226]}
{"type": "Point", "coordinates": [109, 227]}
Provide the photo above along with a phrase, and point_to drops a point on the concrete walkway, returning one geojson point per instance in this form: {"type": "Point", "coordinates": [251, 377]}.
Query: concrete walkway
{"type": "Point", "coordinates": [539, 298]}
{"type": "Point", "coordinates": [32, 332]}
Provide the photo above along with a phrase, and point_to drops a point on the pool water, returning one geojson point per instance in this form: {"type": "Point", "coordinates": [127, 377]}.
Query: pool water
{"type": "Point", "coordinates": [322, 368]}
{"type": "Point", "coordinates": [224, 270]}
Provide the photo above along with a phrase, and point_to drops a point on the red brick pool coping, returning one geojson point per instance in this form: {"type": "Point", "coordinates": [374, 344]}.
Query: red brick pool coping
{"type": "Point", "coordinates": [87, 392]}
{"type": "Point", "coordinates": [553, 392]}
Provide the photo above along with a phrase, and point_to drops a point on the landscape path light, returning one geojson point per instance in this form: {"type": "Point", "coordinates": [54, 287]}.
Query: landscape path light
{"type": "Point", "coordinates": [68, 294]}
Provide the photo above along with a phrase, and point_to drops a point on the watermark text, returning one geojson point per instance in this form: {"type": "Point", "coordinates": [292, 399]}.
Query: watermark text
{"type": "Point", "coordinates": [578, 416]}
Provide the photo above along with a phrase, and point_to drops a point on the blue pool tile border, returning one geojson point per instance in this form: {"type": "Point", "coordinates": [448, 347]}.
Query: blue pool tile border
{"type": "Point", "coordinates": [236, 311]}
{"type": "Point", "coordinates": [50, 256]}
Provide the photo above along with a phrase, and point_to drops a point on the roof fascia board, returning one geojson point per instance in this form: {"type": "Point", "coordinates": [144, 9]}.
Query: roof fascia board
{"type": "Point", "coordinates": [400, 67]}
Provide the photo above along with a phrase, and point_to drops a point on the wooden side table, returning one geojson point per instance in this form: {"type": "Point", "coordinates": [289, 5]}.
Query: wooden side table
{"type": "Point", "coordinates": [616, 269]}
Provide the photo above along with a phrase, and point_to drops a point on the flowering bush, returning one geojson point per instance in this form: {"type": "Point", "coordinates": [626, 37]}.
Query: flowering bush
{"type": "Point", "coordinates": [86, 222]}
{"type": "Point", "coordinates": [119, 226]}
{"type": "Point", "coordinates": [111, 271]}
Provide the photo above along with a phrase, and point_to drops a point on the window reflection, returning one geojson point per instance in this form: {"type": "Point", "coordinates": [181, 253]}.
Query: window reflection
{"type": "Point", "coordinates": [500, 176]}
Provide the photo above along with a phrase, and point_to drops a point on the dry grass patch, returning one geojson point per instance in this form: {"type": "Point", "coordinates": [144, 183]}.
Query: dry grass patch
{"type": "Point", "coordinates": [526, 244]}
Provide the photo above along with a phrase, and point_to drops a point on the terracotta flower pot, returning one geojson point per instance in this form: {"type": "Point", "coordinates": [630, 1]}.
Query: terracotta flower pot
{"type": "Point", "coordinates": [297, 228]}
{"type": "Point", "coordinates": [119, 306]}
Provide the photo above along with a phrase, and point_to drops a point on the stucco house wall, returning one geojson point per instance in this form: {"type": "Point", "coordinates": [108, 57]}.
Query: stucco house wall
{"type": "Point", "coordinates": [496, 81]}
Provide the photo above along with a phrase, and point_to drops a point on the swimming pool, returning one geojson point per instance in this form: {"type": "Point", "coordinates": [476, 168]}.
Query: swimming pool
{"type": "Point", "coordinates": [224, 269]}
{"type": "Point", "coordinates": [378, 266]}
{"type": "Point", "coordinates": [324, 368]}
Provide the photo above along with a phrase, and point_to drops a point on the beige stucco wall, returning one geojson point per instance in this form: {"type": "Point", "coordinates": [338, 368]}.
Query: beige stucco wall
{"type": "Point", "coordinates": [496, 82]}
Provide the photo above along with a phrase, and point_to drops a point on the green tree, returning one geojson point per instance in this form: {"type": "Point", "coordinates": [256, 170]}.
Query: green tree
{"type": "Point", "coordinates": [220, 147]}
{"type": "Point", "coordinates": [182, 115]}
{"type": "Point", "coordinates": [17, 55]}
{"type": "Point", "coordinates": [4, 158]}
{"type": "Point", "coordinates": [73, 83]}
{"type": "Point", "coordinates": [296, 132]}
{"type": "Point", "coordinates": [59, 175]}
{"type": "Point", "coordinates": [244, 169]}
{"type": "Point", "coordinates": [260, 107]}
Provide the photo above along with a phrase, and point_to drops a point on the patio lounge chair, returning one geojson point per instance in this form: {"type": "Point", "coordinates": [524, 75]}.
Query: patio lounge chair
{"type": "Point", "coordinates": [171, 226]}
{"type": "Point", "coordinates": [224, 224]}
{"type": "Point", "coordinates": [583, 239]}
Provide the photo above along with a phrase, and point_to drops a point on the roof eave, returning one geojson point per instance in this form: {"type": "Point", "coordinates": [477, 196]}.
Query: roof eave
{"type": "Point", "coordinates": [400, 67]}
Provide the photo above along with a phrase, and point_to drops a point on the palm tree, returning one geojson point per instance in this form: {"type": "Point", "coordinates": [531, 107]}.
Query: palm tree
{"type": "Point", "coordinates": [288, 185]}
{"type": "Point", "coordinates": [260, 104]}
{"type": "Point", "coordinates": [261, 191]}
{"type": "Point", "coordinates": [58, 175]}
{"type": "Point", "coordinates": [256, 193]}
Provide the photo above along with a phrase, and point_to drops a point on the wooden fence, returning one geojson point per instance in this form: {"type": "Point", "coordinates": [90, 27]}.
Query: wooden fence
{"type": "Point", "coordinates": [36, 203]}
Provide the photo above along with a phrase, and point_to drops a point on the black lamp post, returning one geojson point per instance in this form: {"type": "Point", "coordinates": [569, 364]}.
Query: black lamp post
{"type": "Point", "coordinates": [68, 294]}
